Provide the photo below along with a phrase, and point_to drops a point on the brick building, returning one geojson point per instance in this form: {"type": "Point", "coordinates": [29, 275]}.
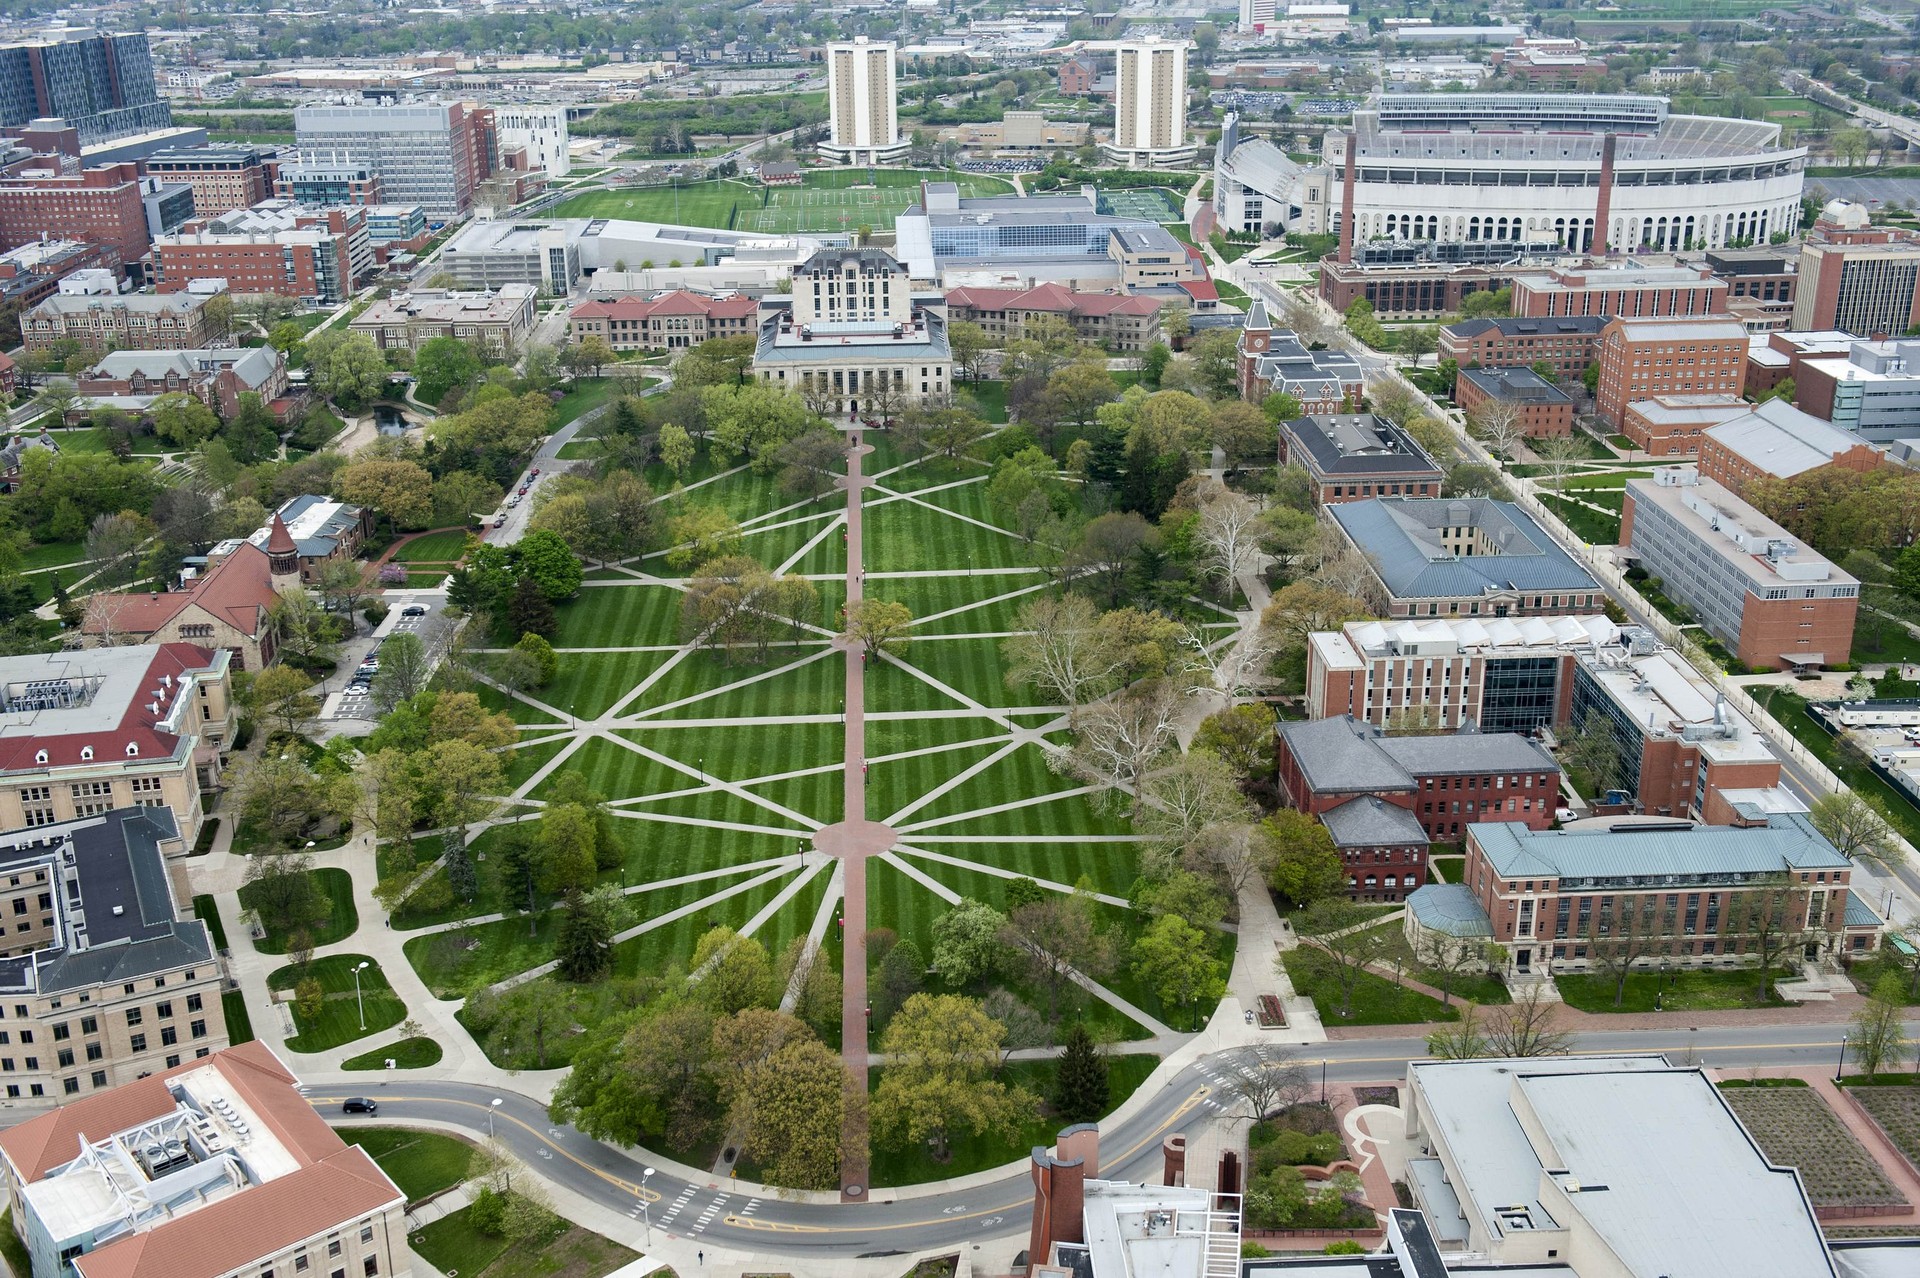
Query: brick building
{"type": "Point", "coordinates": [32, 273]}
{"type": "Point", "coordinates": [322, 531]}
{"type": "Point", "coordinates": [1358, 456]}
{"type": "Point", "coordinates": [1640, 359]}
{"type": "Point", "coordinates": [137, 321]}
{"type": "Point", "coordinates": [312, 256]}
{"type": "Point", "coordinates": [1760, 284]}
{"type": "Point", "coordinates": [228, 606]}
{"type": "Point", "coordinates": [1444, 781]}
{"type": "Point", "coordinates": [1118, 321]}
{"type": "Point", "coordinates": [1773, 602]}
{"type": "Point", "coordinates": [499, 321]}
{"type": "Point", "coordinates": [1543, 410]}
{"type": "Point", "coordinates": [1677, 425]}
{"type": "Point", "coordinates": [665, 321]}
{"type": "Point", "coordinates": [131, 380]}
{"type": "Point", "coordinates": [111, 204]}
{"type": "Point", "coordinates": [1858, 278]}
{"type": "Point", "coordinates": [1775, 440]}
{"type": "Point", "coordinates": [1635, 292]}
{"type": "Point", "coordinates": [1571, 900]}
{"type": "Point", "coordinates": [1407, 290]}
{"type": "Point", "coordinates": [1568, 344]}
{"type": "Point", "coordinates": [223, 178]}
{"type": "Point", "coordinates": [1774, 358]}
{"type": "Point", "coordinates": [1462, 557]}
{"type": "Point", "coordinates": [1272, 361]}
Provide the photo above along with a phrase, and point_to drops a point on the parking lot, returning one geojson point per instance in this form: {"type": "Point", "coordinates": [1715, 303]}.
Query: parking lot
{"type": "Point", "coordinates": [349, 690]}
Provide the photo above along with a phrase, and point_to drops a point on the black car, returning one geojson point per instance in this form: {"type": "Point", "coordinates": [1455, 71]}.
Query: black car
{"type": "Point", "coordinates": [413, 610]}
{"type": "Point", "coordinates": [360, 1105]}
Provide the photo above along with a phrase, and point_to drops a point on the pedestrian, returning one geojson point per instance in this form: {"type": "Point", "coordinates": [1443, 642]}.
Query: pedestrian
{"type": "Point", "coordinates": [702, 1256]}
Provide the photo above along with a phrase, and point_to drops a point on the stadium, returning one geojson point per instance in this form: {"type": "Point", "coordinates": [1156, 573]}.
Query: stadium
{"type": "Point", "coordinates": [1584, 173]}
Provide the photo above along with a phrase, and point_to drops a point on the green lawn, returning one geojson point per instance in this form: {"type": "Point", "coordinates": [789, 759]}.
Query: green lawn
{"type": "Point", "coordinates": [1589, 525]}
{"type": "Point", "coordinates": [914, 1165]}
{"type": "Point", "coordinates": [408, 1053]}
{"type": "Point", "coordinates": [339, 1018]}
{"type": "Point", "coordinates": [583, 394]}
{"type": "Point", "coordinates": [239, 1023]}
{"type": "Point", "coordinates": [1687, 991]}
{"type": "Point", "coordinates": [829, 201]}
{"type": "Point", "coordinates": [342, 918]}
{"type": "Point", "coordinates": [12, 1249]}
{"type": "Point", "coordinates": [421, 1163]}
{"type": "Point", "coordinates": [1376, 999]}
{"type": "Point", "coordinates": [434, 548]}
{"type": "Point", "coordinates": [208, 912]}
{"type": "Point", "coordinates": [453, 1246]}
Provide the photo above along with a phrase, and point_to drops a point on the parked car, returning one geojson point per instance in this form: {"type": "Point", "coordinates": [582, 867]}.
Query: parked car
{"type": "Point", "coordinates": [360, 1105]}
{"type": "Point", "coordinates": [414, 610]}
{"type": "Point", "coordinates": [1563, 815]}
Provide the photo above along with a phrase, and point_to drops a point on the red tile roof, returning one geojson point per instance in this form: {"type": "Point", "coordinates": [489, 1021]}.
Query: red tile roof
{"type": "Point", "coordinates": [678, 302]}
{"type": "Point", "coordinates": [237, 590]}
{"type": "Point", "coordinates": [137, 726]}
{"type": "Point", "coordinates": [1201, 290]}
{"type": "Point", "coordinates": [1055, 298]}
{"type": "Point", "coordinates": [279, 540]}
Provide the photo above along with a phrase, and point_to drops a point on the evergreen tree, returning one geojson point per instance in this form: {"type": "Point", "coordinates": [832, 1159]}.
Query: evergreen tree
{"type": "Point", "coordinates": [1080, 1091]}
{"type": "Point", "coordinates": [584, 947]}
{"type": "Point", "coordinates": [461, 876]}
{"type": "Point", "coordinates": [1108, 461]}
{"type": "Point", "coordinates": [1136, 491]}
{"type": "Point", "coordinates": [529, 611]}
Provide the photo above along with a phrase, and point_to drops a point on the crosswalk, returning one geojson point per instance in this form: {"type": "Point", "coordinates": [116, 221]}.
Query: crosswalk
{"type": "Point", "coordinates": [691, 1216]}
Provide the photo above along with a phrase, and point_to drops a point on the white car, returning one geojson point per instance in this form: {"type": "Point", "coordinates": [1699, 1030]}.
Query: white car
{"type": "Point", "coordinates": [1564, 815]}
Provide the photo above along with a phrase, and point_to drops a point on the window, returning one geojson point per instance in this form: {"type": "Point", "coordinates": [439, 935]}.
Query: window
{"type": "Point", "coordinates": [94, 1052]}
{"type": "Point", "coordinates": [366, 1233]}
{"type": "Point", "coordinates": [169, 1036]}
{"type": "Point", "coordinates": [65, 1057]}
{"type": "Point", "coordinates": [193, 1002]}
{"type": "Point", "coordinates": [173, 1060]}
{"type": "Point", "coordinates": [198, 1029]}
{"type": "Point", "coordinates": [163, 1010]}
{"type": "Point", "coordinates": [61, 1033]}
{"type": "Point", "coordinates": [71, 1086]}
{"type": "Point", "coordinates": [135, 1015]}
{"type": "Point", "coordinates": [89, 1025]}
{"type": "Point", "coordinates": [138, 1043]}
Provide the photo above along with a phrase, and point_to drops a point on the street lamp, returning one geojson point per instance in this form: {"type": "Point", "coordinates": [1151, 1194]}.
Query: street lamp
{"type": "Point", "coordinates": [1839, 1068]}
{"type": "Point", "coordinates": [357, 997]}
{"type": "Point", "coordinates": [645, 1217]}
{"type": "Point", "coordinates": [492, 1105]}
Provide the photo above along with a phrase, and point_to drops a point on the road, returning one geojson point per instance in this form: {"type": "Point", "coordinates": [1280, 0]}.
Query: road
{"type": "Point", "coordinates": [707, 1211]}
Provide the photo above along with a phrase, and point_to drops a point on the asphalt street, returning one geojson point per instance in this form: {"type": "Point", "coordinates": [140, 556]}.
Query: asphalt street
{"type": "Point", "coordinates": [708, 1210]}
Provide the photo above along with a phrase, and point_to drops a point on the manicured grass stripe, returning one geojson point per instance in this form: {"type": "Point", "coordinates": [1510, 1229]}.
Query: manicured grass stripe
{"type": "Point", "coordinates": [753, 750]}
{"type": "Point", "coordinates": [892, 786]}
{"type": "Point", "coordinates": [815, 687]}
{"type": "Point", "coordinates": [1110, 867]}
{"type": "Point", "coordinates": [999, 617]}
{"type": "Point", "coordinates": [926, 596]}
{"type": "Point", "coordinates": [528, 760]}
{"type": "Point", "coordinates": [613, 770]}
{"type": "Point", "coordinates": [1022, 774]}
{"type": "Point", "coordinates": [652, 953]}
{"type": "Point", "coordinates": [207, 911]}
{"type": "Point", "coordinates": [773, 546]}
{"type": "Point", "coordinates": [795, 918]}
{"type": "Point", "coordinates": [830, 555]}
{"type": "Point", "coordinates": [744, 496]}
{"type": "Point", "coordinates": [1069, 814]}
{"type": "Point", "coordinates": [436, 547]}
{"type": "Point", "coordinates": [620, 617]}
{"type": "Point", "coordinates": [821, 796]}
{"type": "Point", "coordinates": [339, 1018]}
{"type": "Point", "coordinates": [901, 536]}
{"type": "Point", "coordinates": [590, 684]}
{"type": "Point", "coordinates": [891, 689]}
{"type": "Point", "coordinates": [973, 667]}
{"type": "Point", "coordinates": [718, 805]}
{"type": "Point", "coordinates": [513, 707]}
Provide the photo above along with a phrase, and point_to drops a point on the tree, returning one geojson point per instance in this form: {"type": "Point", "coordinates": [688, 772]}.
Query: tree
{"type": "Point", "coordinates": [1122, 737]}
{"type": "Point", "coordinates": [1241, 737]}
{"type": "Point", "coordinates": [1878, 1036]}
{"type": "Point", "coordinates": [1244, 433]}
{"type": "Point", "coordinates": [732, 972]}
{"type": "Point", "coordinates": [810, 461]}
{"type": "Point", "coordinates": [1195, 792]}
{"type": "Point", "coordinates": [307, 632]}
{"type": "Point", "coordinates": [874, 624]}
{"type": "Point", "coordinates": [529, 611]}
{"type": "Point", "coordinates": [967, 942]}
{"type": "Point", "coordinates": [1306, 866]}
{"type": "Point", "coordinates": [114, 547]}
{"type": "Point", "coordinates": [1305, 607]}
{"type": "Point", "coordinates": [1055, 937]}
{"type": "Point", "coordinates": [341, 583]}
{"type": "Point", "coordinates": [676, 449]}
{"type": "Point", "coordinates": [1228, 531]}
{"type": "Point", "coordinates": [283, 800]}
{"type": "Point", "coordinates": [541, 662]}
{"type": "Point", "coordinates": [1525, 1027]}
{"type": "Point", "coordinates": [970, 344]}
{"type": "Point", "coordinates": [283, 894]}
{"type": "Point", "coordinates": [588, 922]}
{"type": "Point", "coordinates": [1558, 453]}
{"type": "Point", "coordinates": [1060, 649]}
{"type": "Point", "coordinates": [1417, 340]}
{"type": "Point", "coordinates": [902, 974]}
{"type": "Point", "coordinates": [1463, 1040]}
{"type": "Point", "coordinates": [1617, 941]}
{"type": "Point", "coordinates": [1850, 144]}
{"type": "Point", "coordinates": [942, 1052]}
{"type": "Point", "coordinates": [462, 497]}
{"type": "Point", "coordinates": [345, 367]}
{"type": "Point", "coordinates": [1175, 960]}
{"type": "Point", "coordinates": [552, 565]}
{"type": "Point", "coordinates": [1264, 1080]}
{"type": "Point", "coordinates": [789, 1112]}
{"type": "Point", "coordinates": [567, 843]}
{"type": "Point", "coordinates": [1107, 549]}
{"type": "Point", "coordinates": [1081, 1090]}
{"type": "Point", "coordinates": [699, 534]}
{"type": "Point", "coordinates": [443, 364]}
{"type": "Point", "coordinates": [1500, 424]}
{"type": "Point", "coordinates": [401, 490]}
{"type": "Point", "coordinates": [1447, 957]}
{"type": "Point", "coordinates": [404, 671]}
{"type": "Point", "coordinates": [57, 400]}
{"type": "Point", "coordinates": [1771, 917]}
{"type": "Point", "coordinates": [1853, 823]}
{"type": "Point", "coordinates": [182, 420]}
{"type": "Point", "coordinates": [1336, 929]}
{"type": "Point", "coordinates": [280, 692]}
{"type": "Point", "coordinates": [668, 1051]}
{"type": "Point", "coordinates": [525, 1020]}
{"type": "Point", "coordinates": [591, 354]}
{"type": "Point", "coordinates": [1593, 749]}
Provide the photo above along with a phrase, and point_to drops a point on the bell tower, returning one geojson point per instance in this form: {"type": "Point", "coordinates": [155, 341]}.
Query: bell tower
{"type": "Point", "coordinates": [283, 556]}
{"type": "Point", "coordinates": [1256, 338]}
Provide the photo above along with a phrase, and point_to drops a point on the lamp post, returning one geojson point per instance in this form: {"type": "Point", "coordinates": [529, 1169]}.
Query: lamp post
{"type": "Point", "coordinates": [1840, 1067]}
{"type": "Point", "coordinates": [357, 997]}
{"type": "Point", "coordinates": [646, 1217]}
{"type": "Point", "coordinates": [492, 1105]}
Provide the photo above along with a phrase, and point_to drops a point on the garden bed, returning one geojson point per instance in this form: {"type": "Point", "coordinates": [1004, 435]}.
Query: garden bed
{"type": "Point", "coordinates": [1896, 1108]}
{"type": "Point", "coordinates": [1795, 1127]}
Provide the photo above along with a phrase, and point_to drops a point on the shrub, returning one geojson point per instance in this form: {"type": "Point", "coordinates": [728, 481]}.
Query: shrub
{"type": "Point", "coordinates": [1345, 1247]}
{"type": "Point", "coordinates": [1253, 1251]}
{"type": "Point", "coordinates": [488, 1211]}
{"type": "Point", "coordinates": [375, 611]}
{"type": "Point", "coordinates": [1283, 1148]}
{"type": "Point", "coordinates": [242, 733]}
{"type": "Point", "coordinates": [209, 830]}
{"type": "Point", "coordinates": [309, 997]}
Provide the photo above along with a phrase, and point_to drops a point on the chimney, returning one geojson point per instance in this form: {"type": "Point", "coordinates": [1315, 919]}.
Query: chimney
{"type": "Point", "coordinates": [1059, 1190]}
{"type": "Point", "coordinates": [1346, 197]}
{"type": "Point", "coordinates": [1604, 207]}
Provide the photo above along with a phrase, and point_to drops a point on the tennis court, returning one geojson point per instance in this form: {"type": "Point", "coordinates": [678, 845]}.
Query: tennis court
{"type": "Point", "coordinates": [1151, 204]}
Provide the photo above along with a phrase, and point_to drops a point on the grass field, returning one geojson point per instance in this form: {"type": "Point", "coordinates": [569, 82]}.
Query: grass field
{"type": "Point", "coordinates": [208, 912]}
{"type": "Point", "coordinates": [829, 201]}
{"type": "Point", "coordinates": [339, 1018]}
{"type": "Point", "coordinates": [434, 548]}
{"type": "Point", "coordinates": [239, 1022]}
{"type": "Point", "coordinates": [1687, 991]}
{"type": "Point", "coordinates": [408, 1053]}
{"type": "Point", "coordinates": [342, 918]}
{"type": "Point", "coordinates": [421, 1163]}
{"type": "Point", "coordinates": [453, 1246]}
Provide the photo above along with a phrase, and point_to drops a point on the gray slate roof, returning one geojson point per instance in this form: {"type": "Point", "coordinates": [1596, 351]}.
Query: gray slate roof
{"type": "Point", "coordinates": [1340, 755]}
{"type": "Point", "coordinates": [1399, 537]}
{"type": "Point", "coordinates": [1451, 908]}
{"type": "Point", "coordinates": [1371, 822]}
{"type": "Point", "coordinates": [1355, 443]}
{"type": "Point", "coordinates": [1468, 753]}
{"type": "Point", "coordinates": [1787, 842]}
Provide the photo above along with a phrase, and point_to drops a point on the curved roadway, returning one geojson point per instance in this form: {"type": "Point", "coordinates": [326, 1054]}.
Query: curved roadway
{"type": "Point", "coordinates": [709, 1211]}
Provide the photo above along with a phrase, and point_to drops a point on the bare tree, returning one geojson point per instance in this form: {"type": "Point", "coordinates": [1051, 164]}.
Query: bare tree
{"type": "Point", "coordinates": [1235, 664]}
{"type": "Point", "coordinates": [1525, 1027]}
{"type": "Point", "coordinates": [1120, 739]}
{"type": "Point", "coordinates": [1062, 651]}
{"type": "Point", "coordinates": [1558, 453]}
{"type": "Point", "coordinates": [1229, 531]}
{"type": "Point", "coordinates": [1641, 929]}
{"type": "Point", "coordinates": [1770, 918]}
{"type": "Point", "coordinates": [1195, 792]}
{"type": "Point", "coordinates": [1857, 829]}
{"type": "Point", "coordinates": [1499, 425]}
{"type": "Point", "coordinates": [1337, 929]}
{"type": "Point", "coordinates": [1233, 854]}
{"type": "Point", "coordinates": [1264, 1080]}
{"type": "Point", "coordinates": [1463, 1040]}
{"type": "Point", "coordinates": [1448, 958]}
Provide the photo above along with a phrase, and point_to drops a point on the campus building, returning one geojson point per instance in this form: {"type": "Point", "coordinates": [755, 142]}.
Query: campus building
{"type": "Point", "coordinates": [312, 255]}
{"type": "Point", "coordinates": [102, 321]}
{"type": "Point", "coordinates": [487, 254]}
{"type": "Point", "coordinates": [1454, 557]}
{"type": "Point", "coordinates": [105, 981]}
{"type": "Point", "coordinates": [322, 181]}
{"type": "Point", "coordinates": [1541, 409]}
{"type": "Point", "coordinates": [1452, 674]}
{"type": "Point", "coordinates": [498, 321]}
{"type": "Point", "coordinates": [1150, 105]}
{"type": "Point", "coordinates": [88, 731]}
{"type": "Point", "coordinates": [539, 131]}
{"type": "Point", "coordinates": [1858, 278]}
{"type": "Point", "coordinates": [216, 1166]}
{"type": "Point", "coordinates": [130, 381]}
{"type": "Point", "coordinates": [100, 85]}
{"type": "Point", "coordinates": [1677, 425]}
{"type": "Point", "coordinates": [1116, 321]}
{"type": "Point", "coordinates": [1639, 359]}
{"type": "Point", "coordinates": [1775, 440]}
{"type": "Point", "coordinates": [1872, 390]}
{"type": "Point", "coordinates": [1774, 603]}
{"type": "Point", "coordinates": [320, 529]}
{"type": "Point", "coordinates": [1567, 344]}
{"type": "Point", "coordinates": [1068, 238]}
{"type": "Point", "coordinates": [853, 337]}
{"type": "Point", "coordinates": [1253, 186]}
{"type": "Point", "coordinates": [228, 607]}
{"type": "Point", "coordinates": [433, 154]}
{"type": "Point", "coordinates": [223, 178]}
{"type": "Point", "coordinates": [1687, 895]}
{"type": "Point", "coordinates": [1272, 361]}
{"type": "Point", "coordinates": [108, 204]}
{"type": "Point", "coordinates": [673, 320]}
{"type": "Point", "coordinates": [32, 273]}
{"type": "Point", "coordinates": [1358, 457]}
{"type": "Point", "coordinates": [1630, 291]}
{"type": "Point", "coordinates": [863, 123]}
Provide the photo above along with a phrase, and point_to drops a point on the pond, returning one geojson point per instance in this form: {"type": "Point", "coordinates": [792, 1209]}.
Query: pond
{"type": "Point", "coordinates": [389, 420]}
